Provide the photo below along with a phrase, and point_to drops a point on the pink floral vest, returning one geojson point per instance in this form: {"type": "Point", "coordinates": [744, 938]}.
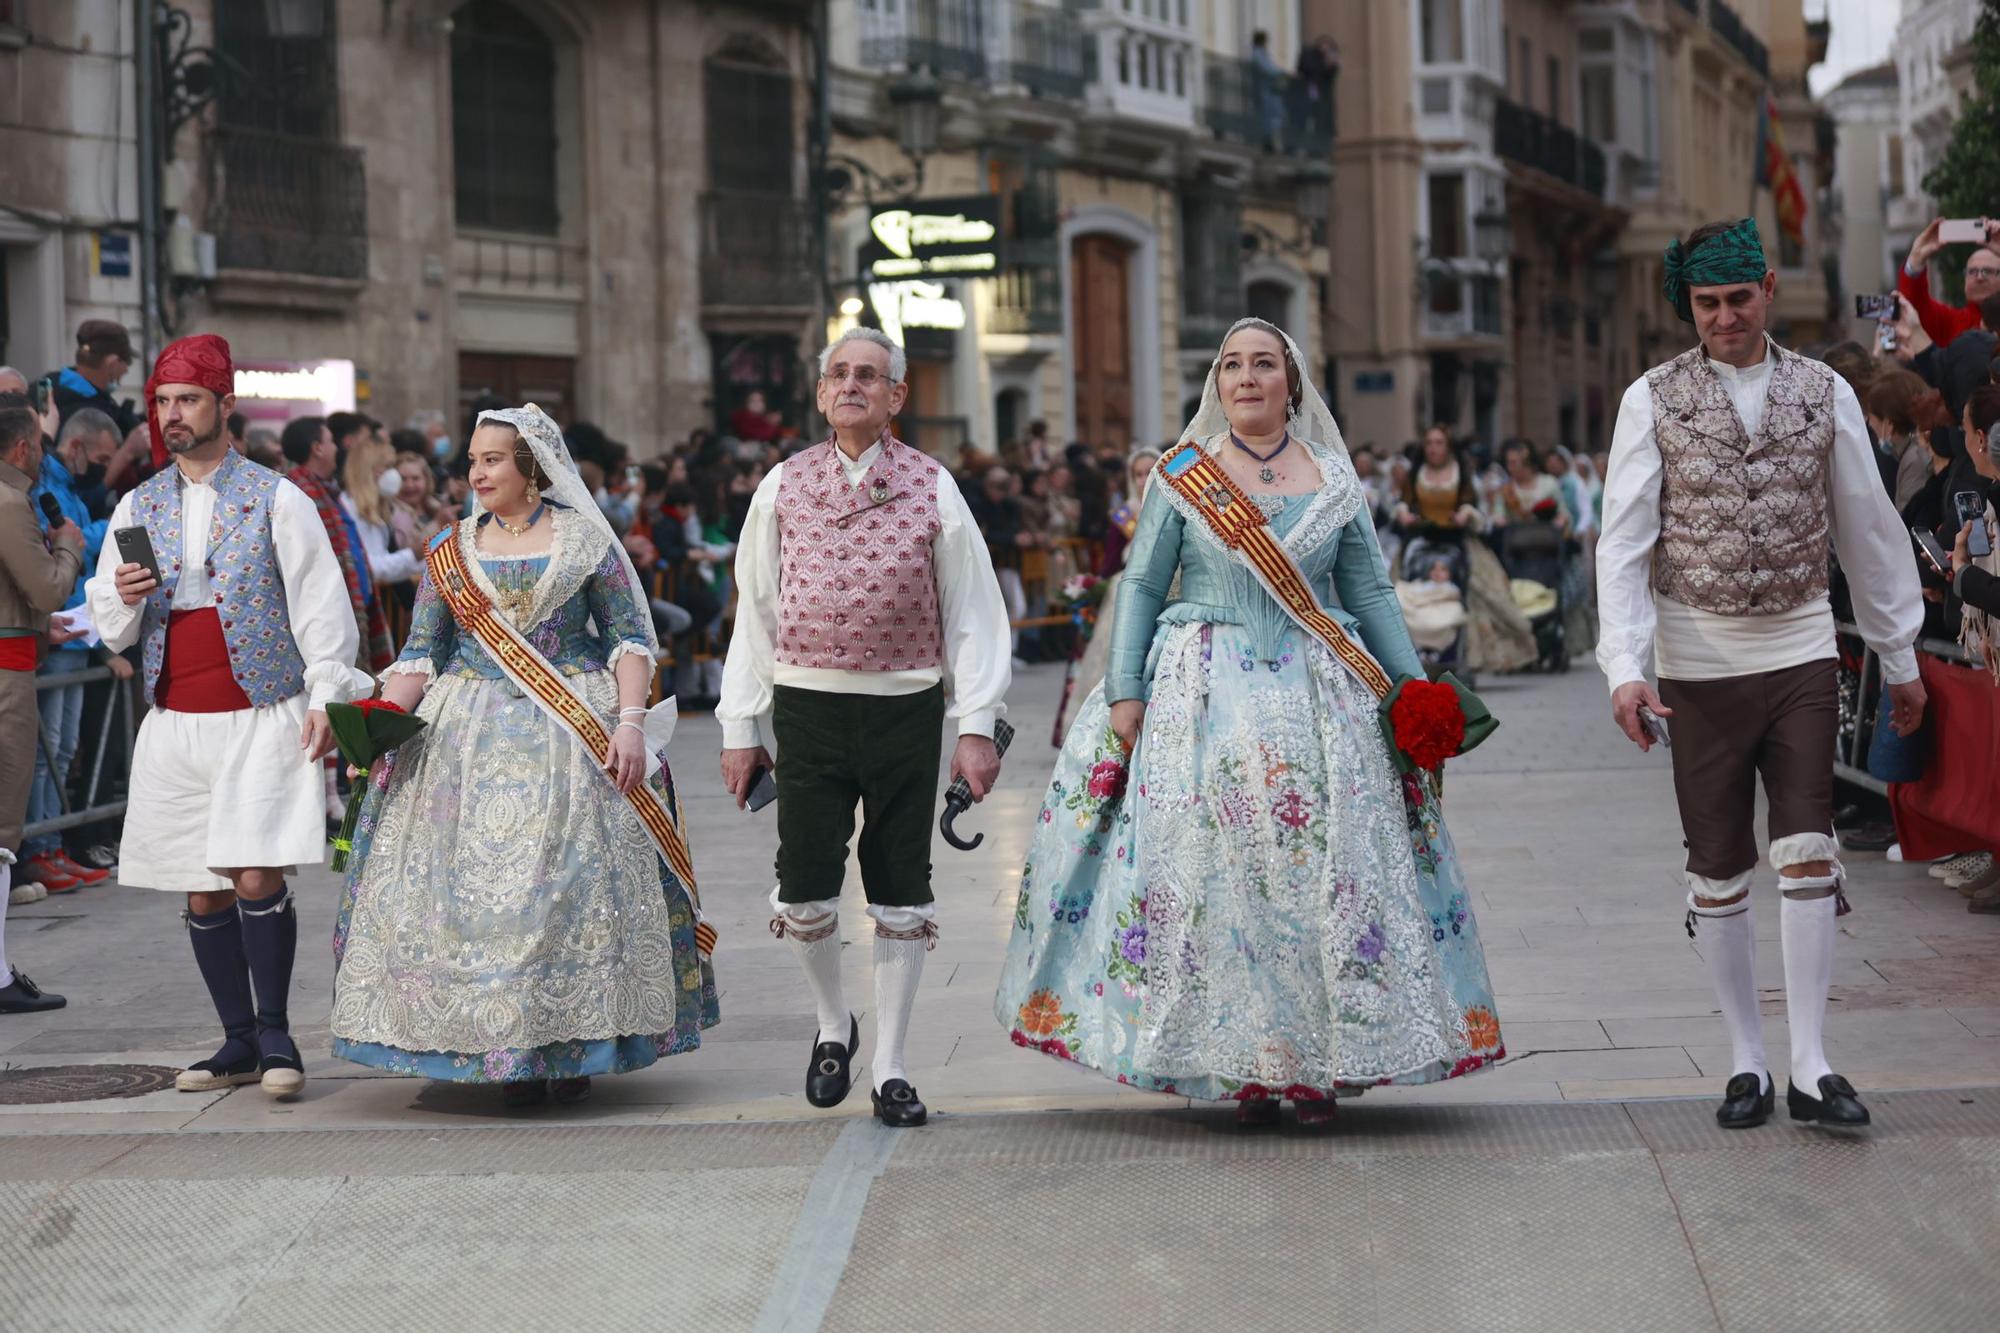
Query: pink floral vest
{"type": "Point", "coordinates": [857, 587]}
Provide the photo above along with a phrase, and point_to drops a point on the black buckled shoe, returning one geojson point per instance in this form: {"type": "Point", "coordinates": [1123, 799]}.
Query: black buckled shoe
{"type": "Point", "coordinates": [1747, 1102]}
{"type": "Point", "coordinates": [1836, 1106]}
{"type": "Point", "coordinates": [22, 996]}
{"type": "Point", "coordinates": [827, 1077]}
{"type": "Point", "coordinates": [897, 1106]}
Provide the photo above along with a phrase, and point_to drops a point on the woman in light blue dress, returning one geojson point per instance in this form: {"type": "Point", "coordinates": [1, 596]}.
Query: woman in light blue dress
{"type": "Point", "coordinates": [1256, 906]}
{"type": "Point", "coordinates": [508, 919]}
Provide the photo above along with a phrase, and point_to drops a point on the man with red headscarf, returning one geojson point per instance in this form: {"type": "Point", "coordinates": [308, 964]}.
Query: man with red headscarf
{"type": "Point", "coordinates": [248, 635]}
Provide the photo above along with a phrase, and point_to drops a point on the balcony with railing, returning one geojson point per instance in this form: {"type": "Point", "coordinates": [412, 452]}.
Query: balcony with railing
{"type": "Point", "coordinates": [1142, 61]}
{"type": "Point", "coordinates": [946, 37]}
{"type": "Point", "coordinates": [1534, 140]}
{"type": "Point", "coordinates": [1026, 299]}
{"type": "Point", "coordinates": [755, 250]}
{"type": "Point", "coordinates": [290, 205]}
{"type": "Point", "coordinates": [1460, 305]}
{"type": "Point", "coordinates": [1043, 53]}
{"type": "Point", "coordinates": [1267, 108]}
{"type": "Point", "coordinates": [1729, 26]}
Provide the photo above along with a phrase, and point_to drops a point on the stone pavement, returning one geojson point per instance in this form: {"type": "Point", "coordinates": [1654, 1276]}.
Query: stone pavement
{"type": "Point", "coordinates": [1566, 1188]}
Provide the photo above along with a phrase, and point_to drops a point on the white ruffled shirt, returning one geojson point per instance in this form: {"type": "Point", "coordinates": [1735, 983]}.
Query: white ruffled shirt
{"type": "Point", "coordinates": [1637, 624]}
{"type": "Point", "coordinates": [322, 616]}
{"type": "Point", "coordinates": [978, 661]}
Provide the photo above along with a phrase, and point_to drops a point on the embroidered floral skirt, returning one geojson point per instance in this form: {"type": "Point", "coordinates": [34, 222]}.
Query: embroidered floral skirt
{"type": "Point", "coordinates": [1260, 906]}
{"type": "Point", "coordinates": [506, 916]}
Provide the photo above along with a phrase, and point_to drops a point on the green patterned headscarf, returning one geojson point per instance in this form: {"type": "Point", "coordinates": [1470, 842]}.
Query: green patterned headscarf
{"type": "Point", "coordinates": [1736, 255]}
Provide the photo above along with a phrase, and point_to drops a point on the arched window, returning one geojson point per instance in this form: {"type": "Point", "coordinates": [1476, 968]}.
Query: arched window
{"type": "Point", "coordinates": [503, 120]}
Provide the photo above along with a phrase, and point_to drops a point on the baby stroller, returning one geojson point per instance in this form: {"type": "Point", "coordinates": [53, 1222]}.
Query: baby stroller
{"type": "Point", "coordinates": [1533, 556]}
{"type": "Point", "coordinates": [1422, 552]}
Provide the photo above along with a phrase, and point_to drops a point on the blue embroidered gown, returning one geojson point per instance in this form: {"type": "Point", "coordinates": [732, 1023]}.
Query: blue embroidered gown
{"type": "Point", "coordinates": [1260, 906]}
{"type": "Point", "coordinates": [506, 915]}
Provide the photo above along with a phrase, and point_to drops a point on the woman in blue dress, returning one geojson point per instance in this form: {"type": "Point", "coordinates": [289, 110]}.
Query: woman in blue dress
{"type": "Point", "coordinates": [508, 918]}
{"type": "Point", "coordinates": [1256, 906]}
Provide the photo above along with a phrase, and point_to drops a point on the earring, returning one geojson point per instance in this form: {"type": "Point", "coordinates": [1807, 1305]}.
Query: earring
{"type": "Point", "coordinates": [534, 493]}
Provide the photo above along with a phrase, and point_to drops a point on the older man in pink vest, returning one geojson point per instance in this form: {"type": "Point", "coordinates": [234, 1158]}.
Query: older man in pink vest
{"type": "Point", "coordinates": [1737, 469]}
{"type": "Point", "coordinates": [867, 614]}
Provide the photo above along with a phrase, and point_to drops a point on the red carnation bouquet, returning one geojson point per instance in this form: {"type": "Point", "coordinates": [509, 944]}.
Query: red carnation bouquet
{"type": "Point", "coordinates": [364, 731]}
{"type": "Point", "coordinates": [1427, 722]}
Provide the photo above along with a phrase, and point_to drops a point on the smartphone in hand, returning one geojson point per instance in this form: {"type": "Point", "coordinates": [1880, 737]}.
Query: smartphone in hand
{"type": "Point", "coordinates": [1877, 305]}
{"type": "Point", "coordinates": [136, 548]}
{"type": "Point", "coordinates": [1933, 552]}
{"type": "Point", "coordinates": [763, 789]}
{"type": "Point", "coordinates": [1656, 726]}
{"type": "Point", "coordinates": [1971, 509]}
{"type": "Point", "coordinates": [1962, 231]}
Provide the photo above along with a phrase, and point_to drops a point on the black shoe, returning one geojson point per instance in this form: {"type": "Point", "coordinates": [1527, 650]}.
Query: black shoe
{"type": "Point", "coordinates": [1836, 1104]}
{"type": "Point", "coordinates": [1747, 1102]}
{"type": "Point", "coordinates": [519, 1094]}
{"type": "Point", "coordinates": [1869, 838]}
{"type": "Point", "coordinates": [22, 996]}
{"type": "Point", "coordinates": [827, 1077]}
{"type": "Point", "coordinates": [896, 1105]}
{"type": "Point", "coordinates": [569, 1091]}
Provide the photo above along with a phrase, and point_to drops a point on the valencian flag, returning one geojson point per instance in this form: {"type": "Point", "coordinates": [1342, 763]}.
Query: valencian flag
{"type": "Point", "coordinates": [1774, 168]}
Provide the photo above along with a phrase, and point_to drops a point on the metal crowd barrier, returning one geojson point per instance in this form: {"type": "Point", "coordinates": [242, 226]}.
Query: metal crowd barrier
{"type": "Point", "coordinates": [1858, 732]}
{"type": "Point", "coordinates": [120, 724]}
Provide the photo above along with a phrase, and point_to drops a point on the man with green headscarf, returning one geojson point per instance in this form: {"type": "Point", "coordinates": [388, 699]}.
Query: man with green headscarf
{"type": "Point", "coordinates": [1737, 468]}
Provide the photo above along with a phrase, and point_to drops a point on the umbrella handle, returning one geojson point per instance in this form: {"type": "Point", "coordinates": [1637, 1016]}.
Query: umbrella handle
{"type": "Point", "coordinates": [955, 802]}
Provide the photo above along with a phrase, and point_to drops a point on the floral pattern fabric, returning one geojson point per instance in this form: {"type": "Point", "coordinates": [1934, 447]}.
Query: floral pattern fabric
{"type": "Point", "coordinates": [506, 915]}
{"type": "Point", "coordinates": [1258, 906]}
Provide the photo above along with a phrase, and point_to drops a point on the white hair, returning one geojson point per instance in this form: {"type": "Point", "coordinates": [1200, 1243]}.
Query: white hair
{"type": "Point", "coordinates": [5, 371]}
{"type": "Point", "coordinates": [899, 362]}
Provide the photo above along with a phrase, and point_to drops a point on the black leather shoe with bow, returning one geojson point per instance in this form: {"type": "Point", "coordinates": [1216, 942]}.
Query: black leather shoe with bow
{"type": "Point", "coordinates": [1747, 1102]}
{"type": "Point", "coordinates": [896, 1105]}
{"type": "Point", "coordinates": [1836, 1104]}
{"type": "Point", "coordinates": [827, 1077]}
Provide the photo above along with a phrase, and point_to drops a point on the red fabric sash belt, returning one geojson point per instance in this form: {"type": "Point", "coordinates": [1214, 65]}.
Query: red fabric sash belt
{"type": "Point", "coordinates": [195, 675]}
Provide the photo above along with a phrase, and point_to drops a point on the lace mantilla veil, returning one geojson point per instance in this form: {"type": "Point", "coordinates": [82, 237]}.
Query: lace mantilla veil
{"type": "Point", "coordinates": [566, 488]}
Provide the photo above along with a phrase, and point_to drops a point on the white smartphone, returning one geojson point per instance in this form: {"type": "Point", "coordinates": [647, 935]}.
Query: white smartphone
{"type": "Point", "coordinates": [1656, 726]}
{"type": "Point", "coordinates": [1962, 231]}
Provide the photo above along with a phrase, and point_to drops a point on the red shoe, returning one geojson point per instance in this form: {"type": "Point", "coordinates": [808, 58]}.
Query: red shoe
{"type": "Point", "coordinates": [83, 873]}
{"type": "Point", "coordinates": [43, 869]}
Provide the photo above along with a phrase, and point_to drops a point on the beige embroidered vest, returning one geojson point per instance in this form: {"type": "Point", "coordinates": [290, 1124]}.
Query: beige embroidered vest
{"type": "Point", "coordinates": [1744, 524]}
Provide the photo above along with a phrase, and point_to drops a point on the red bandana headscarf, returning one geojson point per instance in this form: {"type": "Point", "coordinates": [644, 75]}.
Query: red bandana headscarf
{"type": "Point", "coordinates": [202, 359]}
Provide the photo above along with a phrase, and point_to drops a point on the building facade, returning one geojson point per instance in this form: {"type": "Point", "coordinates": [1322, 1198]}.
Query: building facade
{"type": "Point", "coordinates": [1512, 171]}
{"type": "Point", "coordinates": [69, 191]}
{"type": "Point", "coordinates": [1149, 171]}
{"type": "Point", "coordinates": [599, 207]}
{"type": "Point", "coordinates": [1868, 174]}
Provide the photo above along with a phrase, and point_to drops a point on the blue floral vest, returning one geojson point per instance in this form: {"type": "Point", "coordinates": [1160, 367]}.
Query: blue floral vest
{"type": "Point", "coordinates": [242, 566]}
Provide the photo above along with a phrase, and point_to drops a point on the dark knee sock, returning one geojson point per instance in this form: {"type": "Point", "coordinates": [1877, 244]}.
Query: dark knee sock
{"type": "Point", "coordinates": [217, 938]}
{"type": "Point", "coordinates": [270, 943]}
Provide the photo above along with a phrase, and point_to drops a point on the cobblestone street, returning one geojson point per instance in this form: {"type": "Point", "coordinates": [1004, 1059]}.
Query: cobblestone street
{"type": "Point", "coordinates": [1582, 1184]}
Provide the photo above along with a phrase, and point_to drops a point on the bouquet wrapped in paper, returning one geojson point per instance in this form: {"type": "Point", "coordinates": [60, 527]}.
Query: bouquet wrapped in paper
{"type": "Point", "coordinates": [1080, 595]}
{"type": "Point", "coordinates": [364, 731]}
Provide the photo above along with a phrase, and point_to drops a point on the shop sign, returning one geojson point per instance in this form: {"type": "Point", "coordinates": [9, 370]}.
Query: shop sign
{"type": "Point", "coordinates": [935, 236]}
{"type": "Point", "coordinates": [915, 304]}
{"type": "Point", "coordinates": [276, 391]}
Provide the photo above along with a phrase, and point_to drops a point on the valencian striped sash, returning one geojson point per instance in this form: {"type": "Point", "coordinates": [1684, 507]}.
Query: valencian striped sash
{"type": "Point", "coordinates": [1240, 525]}
{"type": "Point", "coordinates": [541, 682]}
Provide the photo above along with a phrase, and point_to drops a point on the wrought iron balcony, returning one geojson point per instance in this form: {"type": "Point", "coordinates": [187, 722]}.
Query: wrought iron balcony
{"type": "Point", "coordinates": [1267, 108]}
{"type": "Point", "coordinates": [1026, 299]}
{"type": "Point", "coordinates": [755, 249]}
{"type": "Point", "coordinates": [1045, 54]}
{"type": "Point", "coordinates": [946, 37]}
{"type": "Point", "coordinates": [285, 204]}
{"type": "Point", "coordinates": [1730, 28]}
{"type": "Point", "coordinates": [1534, 140]}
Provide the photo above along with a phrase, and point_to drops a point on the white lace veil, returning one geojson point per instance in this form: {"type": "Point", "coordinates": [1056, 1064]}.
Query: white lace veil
{"type": "Point", "coordinates": [566, 488]}
{"type": "Point", "coordinates": [1309, 422]}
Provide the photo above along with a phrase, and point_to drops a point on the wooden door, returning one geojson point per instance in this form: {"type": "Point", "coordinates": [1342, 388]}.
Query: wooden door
{"type": "Point", "coordinates": [1101, 320]}
{"type": "Point", "coordinates": [549, 382]}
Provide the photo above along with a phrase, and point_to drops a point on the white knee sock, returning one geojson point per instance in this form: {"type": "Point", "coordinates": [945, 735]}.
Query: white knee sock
{"type": "Point", "coordinates": [899, 966]}
{"type": "Point", "coordinates": [1808, 930]}
{"type": "Point", "coordinates": [1729, 943]}
{"type": "Point", "coordinates": [6, 887]}
{"type": "Point", "coordinates": [813, 931]}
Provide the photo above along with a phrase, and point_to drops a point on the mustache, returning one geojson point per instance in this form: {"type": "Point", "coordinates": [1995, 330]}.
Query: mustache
{"type": "Point", "coordinates": [190, 442]}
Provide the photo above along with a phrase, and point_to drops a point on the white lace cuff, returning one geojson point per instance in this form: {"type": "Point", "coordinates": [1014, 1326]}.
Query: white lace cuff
{"type": "Point", "coordinates": [626, 647]}
{"type": "Point", "coordinates": [410, 666]}
{"type": "Point", "coordinates": [335, 683]}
